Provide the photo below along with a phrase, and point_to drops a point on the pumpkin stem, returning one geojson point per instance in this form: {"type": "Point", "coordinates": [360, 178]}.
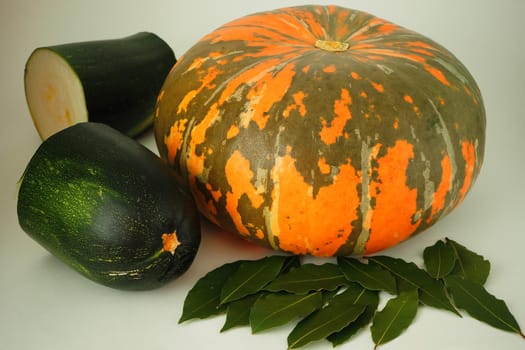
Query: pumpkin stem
{"type": "Point", "coordinates": [332, 45]}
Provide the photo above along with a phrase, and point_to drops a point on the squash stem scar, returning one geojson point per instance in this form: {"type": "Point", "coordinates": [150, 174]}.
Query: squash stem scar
{"type": "Point", "coordinates": [170, 242]}
{"type": "Point", "coordinates": [332, 46]}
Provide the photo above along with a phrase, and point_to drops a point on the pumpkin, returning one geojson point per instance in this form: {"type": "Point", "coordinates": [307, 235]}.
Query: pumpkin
{"type": "Point", "coordinates": [321, 130]}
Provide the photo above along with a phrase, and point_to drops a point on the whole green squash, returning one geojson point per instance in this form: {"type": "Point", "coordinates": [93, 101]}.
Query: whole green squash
{"type": "Point", "coordinates": [109, 208]}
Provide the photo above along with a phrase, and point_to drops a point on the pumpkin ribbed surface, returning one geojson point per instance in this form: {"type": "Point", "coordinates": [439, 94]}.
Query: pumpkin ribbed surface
{"type": "Point", "coordinates": [321, 130]}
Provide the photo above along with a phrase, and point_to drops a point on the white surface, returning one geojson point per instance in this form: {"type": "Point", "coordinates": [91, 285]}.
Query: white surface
{"type": "Point", "coordinates": [45, 305]}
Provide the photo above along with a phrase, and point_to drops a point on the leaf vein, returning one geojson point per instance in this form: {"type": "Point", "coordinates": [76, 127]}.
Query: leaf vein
{"type": "Point", "coordinates": [390, 324]}
{"type": "Point", "coordinates": [480, 303]}
{"type": "Point", "coordinates": [227, 297]}
{"type": "Point", "coordinates": [315, 329]}
{"type": "Point", "coordinates": [277, 312]}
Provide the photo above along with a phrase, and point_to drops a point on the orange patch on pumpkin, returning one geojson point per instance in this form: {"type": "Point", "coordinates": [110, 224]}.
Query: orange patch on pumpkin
{"type": "Point", "coordinates": [295, 210]}
{"type": "Point", "coordinates": [174, 140]}
{"type": "Point", "coordinates": [206, 83]}
{"type": "Point", "coordinates": [394, 53]}
{"type": "Point", "coordinates": [437, 74]}
{"type": "Point", "coordinates": [362, 46]}
{"type": "Point", "coordinates": [195, 162]}
{"type": "Point", "coordinates": [396, 123]}
{"type": "Point", "coordinates": [205, 206]}
{"type": "Point", "coordinates": [161, 95]}
{"type": "Point", "coordinates": [388, 28]}
{"type": "Point", "coordinates": [324, 167]}
{"type": "Point", "coordinates": [239, 176]}
{"type": "Point", "coordinates": [355, 76]}
{"type": "Point", "coordinates": [267, 91]}
{"type": "Point", "coordinates": [421, 44]}
{"type": "Point", "coordinates": [342, 30]}
{"type": "Point", "coordinates": [246, 77]}
{"type": "Point", "coordinates": [469, 154]}
{"type": "Point", "coordinates": [395, 202]}
{"type": "Point", "coordinates": [197, 63]}
{"type": "Point", "coordinates": [283, 28]}
{"type": "Point", "coordinates": [378, 86]}
{"type": "Point", "coordinates": [298, 105]}
{"type": "Point", "coordinates": [260, 234]}
{"type": "Point", "coordinates": [232, 132]}
{"type": "Point", "coordinates": [329, 69]}
{"type": "Point", "coordinates": [422, 51]}
{"type": "Point", "coordinates": [366, 33]}
{"type": "Point", "coordinates": [408, 99]}
{"type": "Point", "coordinates": [329, 134]}
{"type": "Point", "coordinates": [216, 194]}
{"type": "Point", "coordinates": [312, 21]}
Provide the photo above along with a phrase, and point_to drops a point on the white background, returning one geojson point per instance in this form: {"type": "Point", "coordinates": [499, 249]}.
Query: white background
{"type": "Point", "coordinates": [45, 305]}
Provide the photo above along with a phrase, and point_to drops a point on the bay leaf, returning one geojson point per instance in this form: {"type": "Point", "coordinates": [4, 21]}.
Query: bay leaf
{"type": "Point", "coordinates": [277, 309]}
{"type": "Point", "coordinates": [338, 314]}
{"type": "Point", "coordinates": [354, 327]}
{"type": "Point", "coordinates": [440, 259]}
{"type": "Point", "coordinates": [203, 299]}
{"type": "Point", "coordinates": [355, 294]}
{"type": "Point", "coordinates": [481, 305]}
{"type": "Point", "coordinates": [469, 264]}
{"type": "Point", "coordinates": [251, 277]}
{"type": "Point", "coordinates": [291, 262]}
{"type": "Point", "coordinates": [394, 318]}
{"type": "Point", "coordinates": [370, 276]}
{"type": "Point", "coordinates": [309, 277]}
{"type": "Point", "coordinates": [360, 297]}
{"type": "Point", "coordinates": [329, 294]}
{"type": "Point", "coordinates": [238, 312]}
{"type": "Point", "coordinates": [431, 291]}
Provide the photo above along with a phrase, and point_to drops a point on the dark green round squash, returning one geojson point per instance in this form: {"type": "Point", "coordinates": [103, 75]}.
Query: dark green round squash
{"type": "Point", "coordinates": [108, 207]}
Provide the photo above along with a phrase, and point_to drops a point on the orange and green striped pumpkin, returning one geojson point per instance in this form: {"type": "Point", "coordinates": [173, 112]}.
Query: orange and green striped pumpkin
{"type": "Point", "coordinates": [321, 130]}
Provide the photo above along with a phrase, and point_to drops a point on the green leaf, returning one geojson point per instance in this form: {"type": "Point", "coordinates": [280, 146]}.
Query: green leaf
{"type": "Point", "coordinates": [251, 277]}
{"type": "Point", "coordinates": [291, 262]}
{"type": "Point", "coordinates": [339, 300]}
{"type": "Point", "coordinates": [238, 312]}
{"type": "Point", "coordinates": [396, 316]}
{"type": "Point", "coordinates": [354, 327]}
{"type": "Point", "coordinates": [480, 304]}
{"type": "Point", "coordinates": [274, 310]}
{"type": "Point", "coordinates": [329, 294]}
{"type": "Point", "coordinates": [309, 277]}
{"type": "Point", "coordinates": [338, 314]}
{"type": "Point", "coordinates": [431, 291]}
{"type": "Point", "coordinates": [203, 300]}
{"type": "Point", "coordinates": [361, 297]}
{"type": "Point", "coordinates": [469, 264]}
{"type": "Point", "coordinates": [440, 259]}
{"type": "Point", "coordinates": [370, 276]}
{"type": "Point", "coordinates": [355, 294]}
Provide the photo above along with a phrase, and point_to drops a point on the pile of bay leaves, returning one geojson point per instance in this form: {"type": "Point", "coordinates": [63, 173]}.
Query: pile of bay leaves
{"type": "Point", "coordinates": [334, 301]}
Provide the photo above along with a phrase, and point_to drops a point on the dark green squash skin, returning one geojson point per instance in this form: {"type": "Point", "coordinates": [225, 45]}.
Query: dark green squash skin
{"type": "Point", "coordinates": [121, 78]}
{"type": "Point", "coordinates": [100, 202]}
